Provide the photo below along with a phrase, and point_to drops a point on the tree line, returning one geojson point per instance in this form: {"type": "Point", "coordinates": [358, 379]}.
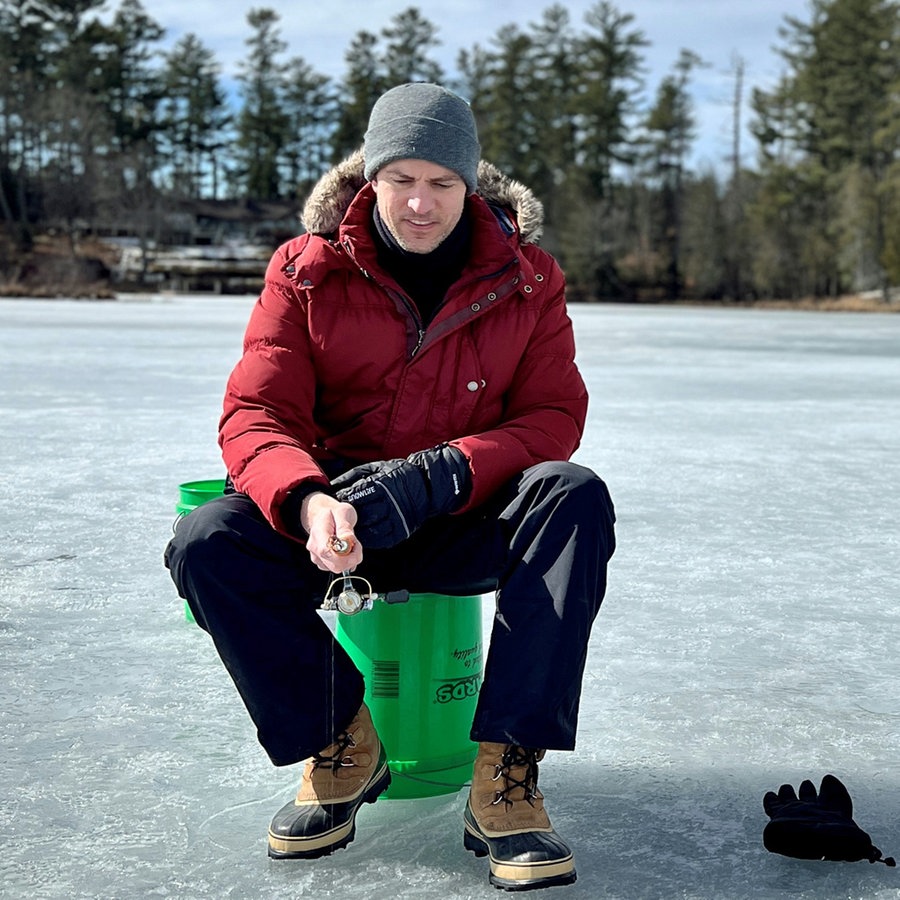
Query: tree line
{"type": "Point", "coordinates": [98, 125]}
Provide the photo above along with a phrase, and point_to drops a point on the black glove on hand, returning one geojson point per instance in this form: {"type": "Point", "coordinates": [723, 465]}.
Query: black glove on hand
{"type": "Point", "coordinates": [816, 826]}
{"type": "Point", "coordinates": [393, 498]}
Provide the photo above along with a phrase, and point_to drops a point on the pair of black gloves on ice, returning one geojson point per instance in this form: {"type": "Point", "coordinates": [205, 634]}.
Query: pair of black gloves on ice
{"type": "Point", "coordinates": [394, 498]}
{"type": "Point", "coordinates": [817, 825]}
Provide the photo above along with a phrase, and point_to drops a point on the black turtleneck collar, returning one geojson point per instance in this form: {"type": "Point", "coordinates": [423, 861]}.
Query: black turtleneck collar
{"type": "Point", "coordinates": [426, 277]}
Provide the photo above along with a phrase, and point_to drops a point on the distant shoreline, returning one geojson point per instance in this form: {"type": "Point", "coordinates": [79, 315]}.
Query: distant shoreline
{"type": "Point", "coordinates": [849, 303]}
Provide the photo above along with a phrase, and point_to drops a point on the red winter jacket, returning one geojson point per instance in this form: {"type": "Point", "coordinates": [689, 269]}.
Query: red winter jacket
{"type": "Point", "coordinates": [335, 364]}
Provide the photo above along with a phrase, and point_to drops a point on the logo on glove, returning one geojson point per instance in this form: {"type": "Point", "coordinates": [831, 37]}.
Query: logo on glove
{"type": "Point", "coordinates": [359, 494]}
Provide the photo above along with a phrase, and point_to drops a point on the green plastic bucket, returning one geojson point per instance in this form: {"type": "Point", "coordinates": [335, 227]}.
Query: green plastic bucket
{"type": "Point", "coordinates": [422, 664]}
{"type": "Point", "coordinates": [192, 494]}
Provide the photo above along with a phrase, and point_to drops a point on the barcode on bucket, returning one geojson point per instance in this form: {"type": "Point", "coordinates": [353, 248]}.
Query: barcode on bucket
{"type": "Point", "coordinates": [385, 678]}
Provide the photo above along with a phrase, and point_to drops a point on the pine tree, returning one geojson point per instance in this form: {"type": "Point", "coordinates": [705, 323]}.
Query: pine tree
{"type": "Point", "coordinates": [408, 39]}
{"type": "Point", "coordinates": [611, 78]}
{"type": "Point", "coordinates": [504, 102]}
{"type": "Point", "coordinates": [604, 106]}
{"type": "Point", "coordinates": [24, 82]}
{"type": "Point", "coordinates": [669, 128]}
{"type": "Point", "coordinates": [195, 118]}
{"type": "Point", "coordinates": [261, 126]}
{"type": "Point", "coordinates": [358, 91]}
{"type": "Point", "coordinates": [133, 88]}
{"type": "Point", "coordinates": [556, 72]}
{"type": "Point", "coordinates": [834, 112]}
{"type": "Point", "coordinates": [309, 107]}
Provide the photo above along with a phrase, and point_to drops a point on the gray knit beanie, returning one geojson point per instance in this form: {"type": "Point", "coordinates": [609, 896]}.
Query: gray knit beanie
{"type": "Point", "coordinates": [423, 121]}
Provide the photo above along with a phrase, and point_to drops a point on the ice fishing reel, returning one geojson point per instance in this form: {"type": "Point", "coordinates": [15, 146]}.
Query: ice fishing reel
{"type": "Point", "coordinates": [342, 595]}
{"type": "Point", "coordinates": [345, 597]}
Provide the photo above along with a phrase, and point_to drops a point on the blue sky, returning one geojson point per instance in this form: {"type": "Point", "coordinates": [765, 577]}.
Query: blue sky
{"type": "Point", "coordinates": [717, 30]}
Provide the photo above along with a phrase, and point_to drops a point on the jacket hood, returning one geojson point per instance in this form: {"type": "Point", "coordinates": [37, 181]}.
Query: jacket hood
{"type": "Point", "coordinates": [334, 192]}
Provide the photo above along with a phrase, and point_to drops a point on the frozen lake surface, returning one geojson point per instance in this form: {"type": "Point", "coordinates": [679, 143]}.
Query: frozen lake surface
{"type": "Point", "coordinates": [749, 637]}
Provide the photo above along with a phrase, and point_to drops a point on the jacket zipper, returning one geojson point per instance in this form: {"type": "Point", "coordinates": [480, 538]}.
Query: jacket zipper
{"type": "Point", "coordinates": [413, 314]}
{"type": "Point", "coordinates": [407, 304]}
{"type": "Point", "coordinates": [410, 307]}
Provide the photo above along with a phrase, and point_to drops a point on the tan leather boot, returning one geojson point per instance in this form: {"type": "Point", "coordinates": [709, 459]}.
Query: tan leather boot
{"type": "Point", "coordinates": [506, 820]}
{"type": "Point", "coordinates": [335, 783]}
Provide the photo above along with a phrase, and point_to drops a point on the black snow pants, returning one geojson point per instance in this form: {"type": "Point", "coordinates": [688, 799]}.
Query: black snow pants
{"type": "Point", "coordinates": [542, 543]}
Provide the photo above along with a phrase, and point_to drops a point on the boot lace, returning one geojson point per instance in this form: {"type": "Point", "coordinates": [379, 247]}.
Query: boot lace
{"type": "Point", "coordinates": [338, 759]}
{"type": "Point", "coordinates": [517, 758]}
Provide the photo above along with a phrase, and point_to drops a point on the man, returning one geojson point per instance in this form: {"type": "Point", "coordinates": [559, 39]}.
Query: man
{"type": "Point", "coordinates": [407, 388]}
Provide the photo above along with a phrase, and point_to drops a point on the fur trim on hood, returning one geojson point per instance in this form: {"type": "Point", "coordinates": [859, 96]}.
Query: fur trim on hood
{"type": "Point", "coordinates": [326, 205]}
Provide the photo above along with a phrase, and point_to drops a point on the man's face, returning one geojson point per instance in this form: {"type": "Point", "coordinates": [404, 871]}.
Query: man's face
{"type": "Point", "coordinates": [420, 202]}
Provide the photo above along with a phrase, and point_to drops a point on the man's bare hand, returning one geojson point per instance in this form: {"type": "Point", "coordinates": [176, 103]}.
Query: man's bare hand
{"type": "Point", "coordinates": [324, 518]}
